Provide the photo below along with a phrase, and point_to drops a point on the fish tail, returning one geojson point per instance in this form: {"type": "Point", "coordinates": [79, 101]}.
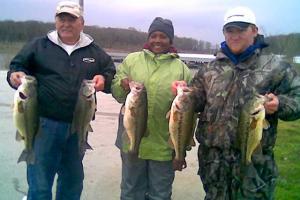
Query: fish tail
{"type": "Point", "coordinates": [87, 146]}
{"type": "Point", "coordinates": [84, 146]}
{"type": "Point", "coordinates": [27, 156]}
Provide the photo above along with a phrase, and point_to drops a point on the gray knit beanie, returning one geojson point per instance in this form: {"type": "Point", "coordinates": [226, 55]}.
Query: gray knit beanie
{"type": "Point", "coordinates": [163, 25]}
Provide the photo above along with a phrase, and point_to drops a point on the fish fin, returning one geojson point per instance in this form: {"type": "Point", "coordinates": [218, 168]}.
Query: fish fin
{"type": "Point", "coordinates": [258, 149]}
{"type": "Point", "coordinates": [30, 157]}
{"type": "Point", "coordinates": [192, 142]}
{"type": "Point", "coordinates": [188, 148]}
{"type": "Point", "coordinates": [122, 110]}
{"type": "Point", "coordinates": [19, 137]}
{"type": "Point", "coordinates": [89, 128]}
{"type": "Point", "coordinates": [27, 156]}
{"type": "Point", "coordinates": [168, 114]}
{"type": "Point", "coordinates": [87, 146]}
{"type": "Point", "coordinates": [20, 107]}
{"type": "Point", "coordinates": [266, 124]}
{"type": "Point", "coordinates": [190, 145]}
{"type": "Point", "coordinates": [23, 156]}
{"type": "Point", "coordinates": [171, 143]}
{"type": "Point", "coordinates": [253, 124]}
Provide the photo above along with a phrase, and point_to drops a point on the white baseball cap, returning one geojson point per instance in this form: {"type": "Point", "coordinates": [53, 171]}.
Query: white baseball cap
{"type": "Point", "coordinates": [70, 7]}
{"type": "Point", "coordinates": [240, 17]}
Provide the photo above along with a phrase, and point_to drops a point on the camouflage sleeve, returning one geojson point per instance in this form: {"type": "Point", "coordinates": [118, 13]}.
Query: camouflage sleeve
{"type": "Point", "coordinates": [117, 91]}
{"type": "Point", "coordinates": [289, 97]}
{"type": "Point", "coordinates": [198, 85]}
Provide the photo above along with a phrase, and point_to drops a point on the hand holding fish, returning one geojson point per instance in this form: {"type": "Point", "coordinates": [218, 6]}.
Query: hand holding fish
{"type": "Point", "coordinates": [15, 78]}
{"type": "Point", "coordinates": [99, 81]}
{"type": "Point", "coordinates": [271, 106]}
{"type": "Point", "coordinates": [175, 84]}
{"type": "Point", "coordinates": [179, 164]}
{"type": "Point", "coordinates": [125, 84]}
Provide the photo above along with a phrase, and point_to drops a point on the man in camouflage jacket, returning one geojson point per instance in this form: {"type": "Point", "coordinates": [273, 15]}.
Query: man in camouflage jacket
{"type": "Point", "coordinates": [221, 90]}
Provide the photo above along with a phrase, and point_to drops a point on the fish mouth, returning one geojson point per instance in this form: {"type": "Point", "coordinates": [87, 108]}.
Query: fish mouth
{"type": "Point", "coordinates": [22, 95]}
{"type": "Point", "coordinates": [89, 96]}
{"type": "Point", "coordinates": [257, 110]}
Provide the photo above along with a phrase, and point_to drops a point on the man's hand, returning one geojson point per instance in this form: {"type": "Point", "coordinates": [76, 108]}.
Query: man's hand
{"type": "Point", "coordinates": [99, 81]}
{"type": "Point", "coordinates": [271, 106]}
{"type": "Point", "coordinates": [15, 78]}
{"type": "Point", "coordinates": [179, 164]}
{"type": "Point", "coordinates": [175, 84]}
{"type": "Point", "coordinates": [125, 84]}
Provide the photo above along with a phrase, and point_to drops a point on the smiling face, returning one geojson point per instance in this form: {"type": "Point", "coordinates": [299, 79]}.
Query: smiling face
{"type": "Point", "coordinates": [238, 40]}
{"type": "Point", "coordinates": [159, 42]}
{"type": "Point", "coordinates": [68, 27]}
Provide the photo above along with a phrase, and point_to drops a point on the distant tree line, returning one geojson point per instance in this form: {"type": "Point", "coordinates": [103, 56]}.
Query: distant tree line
{"type": "Point", "coordinates": [113, 38]}
{"type": "Point", "coordinates": [288, 45]}
{"type": "Point", "coordinates": [131, 40]}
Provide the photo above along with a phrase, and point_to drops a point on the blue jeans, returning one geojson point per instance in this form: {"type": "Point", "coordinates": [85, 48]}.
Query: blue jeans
{"type": "Point", "coordinates": [56, 151]}
{"type": "Point", "coordinates": [146, 179]}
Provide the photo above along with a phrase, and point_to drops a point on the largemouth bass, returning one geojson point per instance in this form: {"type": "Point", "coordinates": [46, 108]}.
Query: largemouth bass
{"type": "Point", "coordinates": [84, 112]}
{"type": "Point", "coordinates": [182, 122]}
{"type": "Point", "coordinates": [25, 116]}
{"type": "Point", "coordinates": [135, 115]}
{"type": "Point", "coordinates": [250, 127]}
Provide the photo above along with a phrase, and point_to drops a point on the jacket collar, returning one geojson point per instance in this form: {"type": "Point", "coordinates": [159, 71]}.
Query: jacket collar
{"type": "Point", "coordinates": [84, 40]}
{"type": "Point", "coordinates": [163, 56]}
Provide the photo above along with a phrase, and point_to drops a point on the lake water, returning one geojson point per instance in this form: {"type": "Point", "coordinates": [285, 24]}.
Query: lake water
{"type": "Point", "coordinates": [4, 60]}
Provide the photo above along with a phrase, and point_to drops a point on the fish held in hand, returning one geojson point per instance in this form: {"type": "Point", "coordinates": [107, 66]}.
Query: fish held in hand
{"type": "Point", "coordinates": [182, 122]}
{"type": "Point", "coordinates": [25, 116]}
{"type": "Point", "coordinates": [135, 115]}
{"type": "Point", "coordinates": [250, 127]}
{"type": "Point", "coordinates": [83, 114]}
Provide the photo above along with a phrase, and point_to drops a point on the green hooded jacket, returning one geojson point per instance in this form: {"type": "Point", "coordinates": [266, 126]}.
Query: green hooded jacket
{"type": "Point", "coordinates": [156, 72]}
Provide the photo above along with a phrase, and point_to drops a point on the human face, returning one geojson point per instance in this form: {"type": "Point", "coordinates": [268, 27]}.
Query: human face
{"type": "Point", "coordinates": [68, 27]}
{"type": "Point", "coordinates": [159, 42]}
{"type": "Point", "coordinates": [238, 40]}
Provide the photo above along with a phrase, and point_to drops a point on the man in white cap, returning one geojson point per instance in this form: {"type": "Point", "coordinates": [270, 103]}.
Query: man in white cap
{"type": "Point", "coordinates": [60, 62]}
{"type": "Point", "coordinates": [233, 79]}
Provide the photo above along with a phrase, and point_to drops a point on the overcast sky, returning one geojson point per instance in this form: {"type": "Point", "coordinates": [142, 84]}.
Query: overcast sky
{"type": "Point", "coordinates": [199, 19]}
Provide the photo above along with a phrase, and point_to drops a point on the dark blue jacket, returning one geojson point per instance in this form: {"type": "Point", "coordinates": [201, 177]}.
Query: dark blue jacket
{"type": "Point", "coordinates": [59, 74]}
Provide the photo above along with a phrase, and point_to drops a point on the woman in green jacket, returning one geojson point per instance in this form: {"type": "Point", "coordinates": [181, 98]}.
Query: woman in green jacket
{"type": "Point", "coordinates": [150, 174]}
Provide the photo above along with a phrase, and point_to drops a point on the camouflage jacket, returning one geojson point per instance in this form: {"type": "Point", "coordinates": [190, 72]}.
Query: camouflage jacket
{"type": "Point", "coordinates": [221, 90]}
